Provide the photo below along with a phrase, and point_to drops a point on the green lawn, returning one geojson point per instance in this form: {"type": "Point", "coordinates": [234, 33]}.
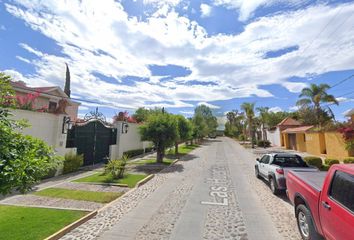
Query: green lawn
{"type": "Point", "coordinates": [150, 161]}
{"type": "Point", "coordinates": [18, 223]}
{"type": "Point", "coordinates": [100, 197]}
{"type": "Point", "coordinates": [130, 179]}
{"type": "Point", "coordinates": [182, 150]}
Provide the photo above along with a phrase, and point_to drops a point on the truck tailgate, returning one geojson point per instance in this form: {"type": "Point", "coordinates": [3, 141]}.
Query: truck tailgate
{"type": "Point", "coordinates": [314, 178]}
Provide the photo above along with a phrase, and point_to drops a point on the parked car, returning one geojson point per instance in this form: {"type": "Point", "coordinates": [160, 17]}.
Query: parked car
{"type": "Point", "coordinates": [324, 202]}
{"type": "Point", "coordinates": [275, 166]}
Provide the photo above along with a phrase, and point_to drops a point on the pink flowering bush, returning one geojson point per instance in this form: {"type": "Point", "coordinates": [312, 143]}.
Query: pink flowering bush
{"type": "Point", "coordinates": [27, 102]}
{"type": "Point", "coordinates": [348, 135]}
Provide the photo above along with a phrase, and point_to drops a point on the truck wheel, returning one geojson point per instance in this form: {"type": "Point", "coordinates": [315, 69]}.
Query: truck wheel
{"type": "Point", "coordinates": [305, 224]}
{"type": "Point", "coordinates": [256, 171]}
{"type": "Point", "coordinates": [273, 186]}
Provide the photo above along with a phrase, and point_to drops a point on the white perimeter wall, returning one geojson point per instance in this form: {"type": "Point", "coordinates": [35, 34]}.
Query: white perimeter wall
{"type": "Point", "coordinates": [274, 137]}
{"type": "Point", "coordinates": [45, 126]}
{"type": "Point", "coordinates": [127, 141]}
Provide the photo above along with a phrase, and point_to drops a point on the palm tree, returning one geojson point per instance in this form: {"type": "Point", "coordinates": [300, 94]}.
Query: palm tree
{"type": "Point", "coordinates": [263, 115]}
{"type": "Point", "coordinates": [315, 95]}
{"type": "Point", "coordinates": [249, 111]}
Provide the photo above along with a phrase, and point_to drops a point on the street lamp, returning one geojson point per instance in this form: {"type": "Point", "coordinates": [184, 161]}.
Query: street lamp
{"type": "Point", "coordinates": [67, 124]}
{"type": "Point", "coordinates": [125, 127]}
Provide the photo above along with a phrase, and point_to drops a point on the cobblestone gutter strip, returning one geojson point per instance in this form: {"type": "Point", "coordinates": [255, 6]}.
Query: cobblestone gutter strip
{"type": "Point", "coordinates": [145, 180]}
{"type": "Point", "coordinates": [73, 225]}
{"type": "Point", "coordinates": [112, 213]}
{"type": "Point", "coordinates": [162, 223]}
{"type": "Point", "coordinates": [278, 207]}
{"type": "Point", "coordinates": [41, 201]}
{"type": "Point", "coordinates": [93, 187]}
{"type": "Point", "coordinates": [280, 211]}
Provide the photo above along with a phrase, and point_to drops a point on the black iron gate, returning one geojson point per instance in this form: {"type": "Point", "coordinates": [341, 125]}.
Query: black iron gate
{"type": "Point", "coordinates": [92, 138]}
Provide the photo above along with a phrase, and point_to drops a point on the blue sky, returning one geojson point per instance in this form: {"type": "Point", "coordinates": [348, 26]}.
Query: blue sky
{"type": "Point", "coordinates": [178, 54]}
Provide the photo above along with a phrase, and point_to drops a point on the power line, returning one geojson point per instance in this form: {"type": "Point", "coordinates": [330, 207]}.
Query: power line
{"type": "Point", "coordinates": [342, 81]}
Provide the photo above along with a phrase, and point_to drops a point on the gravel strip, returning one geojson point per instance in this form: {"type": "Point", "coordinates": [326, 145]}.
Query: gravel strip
{"type": "Point", "coordinates": [106, 218]}
{"type": "Point", "coordinates": [40, 201]}
{"type": "Point", "coordinates": [92, 187]}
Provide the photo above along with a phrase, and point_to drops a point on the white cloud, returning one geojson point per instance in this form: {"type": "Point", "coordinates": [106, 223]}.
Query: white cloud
{"type": "Point", "coordinates": [205, 9]}
{"type": "Point", "coordinates": [83, 108]}
{"type": "Point", "coordinates": [2, 27]}
{"type": "Point", "coordinates": [344, 99]}
{"type": "Point", "coordinates": [247, 7]}
{"type": "Point", "coordinates": [100, 37]}
{"type": "Point", "coordinates": [275, 109]}
{"type": "Point", "coordinates": [187, 112]}
{"type": "Point", "coordinates": [208, 105]}
{"type": "Point", "coordinates": [294, 108]}
{"type": "Point", "coordinates": [23, 59]}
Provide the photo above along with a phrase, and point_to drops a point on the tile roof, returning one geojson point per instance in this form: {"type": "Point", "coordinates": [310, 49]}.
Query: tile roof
{"type": "Point", "coordinates": [301, 129]}
{"type": "Point", "coordinates": [289, 122]}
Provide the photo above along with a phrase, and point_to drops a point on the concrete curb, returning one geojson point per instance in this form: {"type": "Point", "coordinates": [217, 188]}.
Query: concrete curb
{"type": "Point", "coordinates": [174, 162]}
{"type": "Point", "coordinates": [105, 184]}
{"type": "Point", "coordinates": [71, 226]}
{"type": "Point", "coordinates": [145, 180]}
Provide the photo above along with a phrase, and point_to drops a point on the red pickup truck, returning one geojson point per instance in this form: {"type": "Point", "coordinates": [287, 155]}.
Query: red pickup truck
{"type": "Point", "coordinates": [324, 202]}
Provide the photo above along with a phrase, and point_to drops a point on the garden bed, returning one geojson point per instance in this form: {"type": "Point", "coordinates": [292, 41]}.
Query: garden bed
{"type": "Point", "coordinates": [129, 179]}
{"type": "Point", "coordinates": [31, 223]}
{"type": "Point", "coordinates": [99, 197]}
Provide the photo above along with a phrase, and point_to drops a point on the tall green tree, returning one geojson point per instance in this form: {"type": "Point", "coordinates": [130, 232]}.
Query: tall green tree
{"type": "Point", "coordinates": [313, 97]}
{"type": "Point", "coordinates": [248, 108]}
{"type": "Point", "coordinates": [184, 130]}
{"type": "Point", "coordinates": [162, 130]}
{"type": "Point", "coordinates": [209, 120]}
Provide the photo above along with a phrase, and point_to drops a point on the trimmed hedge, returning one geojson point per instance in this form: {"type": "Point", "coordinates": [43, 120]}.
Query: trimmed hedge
{"type": "Point", "coordinates": [263, 143]}
{"type": "Point", "coordinates": [325, 168]}
{"type": "Point", "coordinates": [331, 161]}
{"type": "Point", "coordinates": [137, 152]}
{"type": "Point", "coordinates": [314, 161]}
{"type": "Point", "coordinates": [348, 160]}
{"type": "Point", "coordinates": [72, 162]}
{"type": "Point", "coordinates": [134, 152]}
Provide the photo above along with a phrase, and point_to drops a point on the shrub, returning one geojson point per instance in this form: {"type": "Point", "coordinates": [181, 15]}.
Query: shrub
{"type": "Point", "coordinates": [149, 149]}
{"type": "Point", "coordinates": [314, 161]}
{"type": "Point", "coordinates": [263, 143]}
{"type": "Point", "coordinates": [72, 162]}
{"type": "Point", "coordinates": [331, 161]}
{"type": "Point", "coordinates": [348, 160]}
{"type": "Point", "coordinates": [116, 167]}
{"type": "Point", "coordinates": [242, 137]}
{"type": "Point", "coordinates": [133, 153]}
{"type": "Point", "coordinates": [24, 160]}
{"type": "Point", "coordinates": [325, 168]}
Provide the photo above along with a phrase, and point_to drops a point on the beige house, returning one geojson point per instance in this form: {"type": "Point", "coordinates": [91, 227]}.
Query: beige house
{"type": "Point", "coordinates": [50, 98]}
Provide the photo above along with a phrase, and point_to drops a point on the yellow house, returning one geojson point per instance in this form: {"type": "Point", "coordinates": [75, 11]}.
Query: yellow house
{"type": "Point", "coordinates": [295, 138]}
{"type": "Point", "coordinates": [335, 146]}
{"type": "Point", "coordinates": [316, 143]}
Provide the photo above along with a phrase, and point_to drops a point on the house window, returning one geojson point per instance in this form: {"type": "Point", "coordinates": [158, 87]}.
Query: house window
{"type": "Point", "coordinates": [52, 106]}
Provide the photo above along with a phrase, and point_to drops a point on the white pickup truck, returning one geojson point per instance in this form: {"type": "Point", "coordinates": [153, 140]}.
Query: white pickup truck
{"type": "Point", "coordinates": [274, 168]}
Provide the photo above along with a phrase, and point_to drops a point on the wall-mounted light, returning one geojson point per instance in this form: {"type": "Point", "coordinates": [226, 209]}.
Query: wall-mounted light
{"type": "Point", "coordinates": [67, 124]}
{"type": "Point", "coordinates": [125, 127]}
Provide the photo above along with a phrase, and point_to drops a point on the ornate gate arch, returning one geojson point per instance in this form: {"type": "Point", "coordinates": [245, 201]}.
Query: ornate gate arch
{"type": "Point", "coordinates": [92, 138]}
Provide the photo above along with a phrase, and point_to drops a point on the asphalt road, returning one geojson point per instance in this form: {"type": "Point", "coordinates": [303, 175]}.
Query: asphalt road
{"type": "Point", "coordinates": [210, 196]}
